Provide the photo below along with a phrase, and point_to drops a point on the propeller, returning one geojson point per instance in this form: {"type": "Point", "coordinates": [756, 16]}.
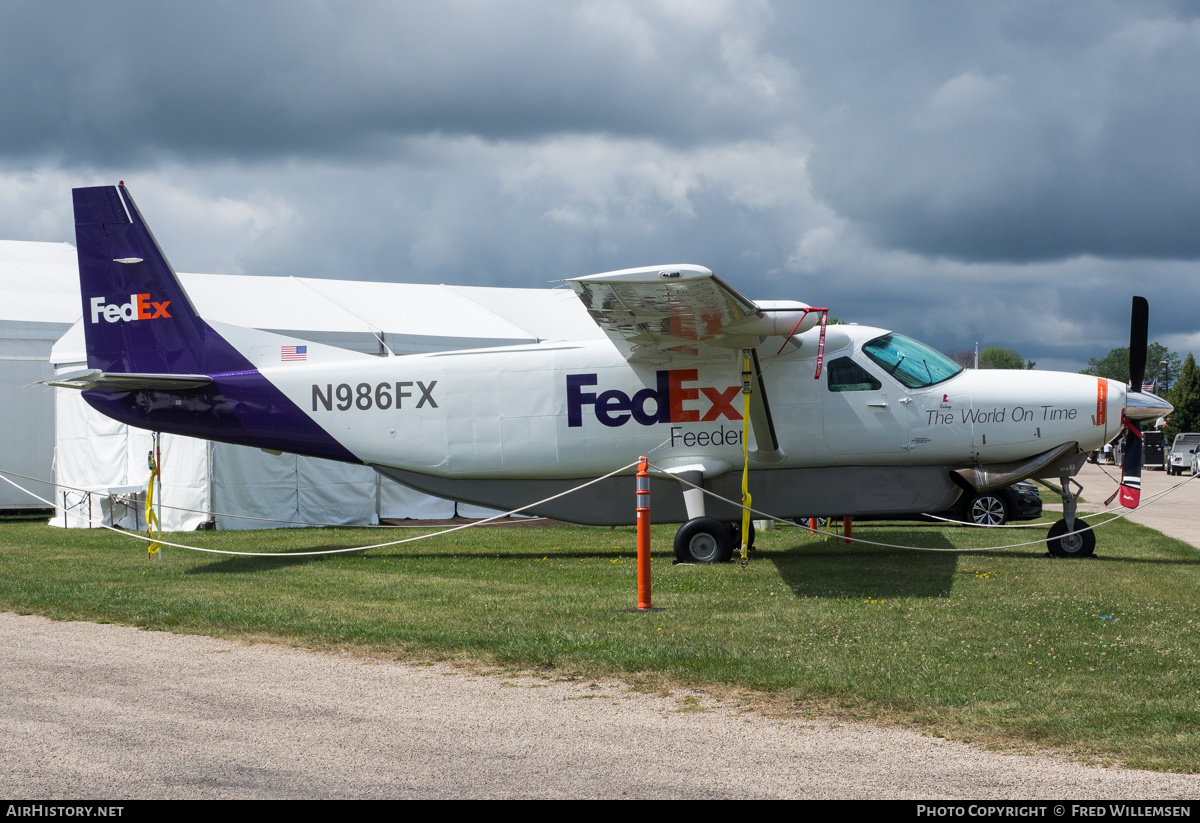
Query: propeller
{"type": "Point", "coordinates": [1131, 466]}
{"type": "Point", "coordinates": [1139, 323]}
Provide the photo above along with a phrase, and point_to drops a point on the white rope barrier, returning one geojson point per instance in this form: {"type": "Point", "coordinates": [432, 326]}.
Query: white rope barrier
{"type": "Point", "coordinates": [788, 521]}
{"type": "Point", "coordinates": [952, 522]}
{"type": "Point", "coordinates": [337, 551]}
{"type": "Point", "coordinates": [660, 472]}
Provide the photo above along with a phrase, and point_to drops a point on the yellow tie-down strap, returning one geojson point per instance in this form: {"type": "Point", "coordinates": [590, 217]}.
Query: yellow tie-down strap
{"type": "Point", "coordinates": [153, 528]}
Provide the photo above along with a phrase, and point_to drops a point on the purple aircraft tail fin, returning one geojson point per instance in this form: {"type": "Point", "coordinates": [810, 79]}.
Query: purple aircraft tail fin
{"type": "Point", "coordinates": [136, 315]}
{"type": "Point", "coordinates": [141, 328]}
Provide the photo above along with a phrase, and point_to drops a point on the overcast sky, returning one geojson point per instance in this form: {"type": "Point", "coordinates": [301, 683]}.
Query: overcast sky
{"type": "Point", "coordinates": [1007, 173]}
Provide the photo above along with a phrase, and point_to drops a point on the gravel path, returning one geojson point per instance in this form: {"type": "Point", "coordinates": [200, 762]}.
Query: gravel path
{"type": "Point", "coordinates": [104, 711]}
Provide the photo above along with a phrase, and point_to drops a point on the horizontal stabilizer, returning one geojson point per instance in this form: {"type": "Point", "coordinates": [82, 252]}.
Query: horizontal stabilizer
{"type": "Point", "coordinates": [97, 380]}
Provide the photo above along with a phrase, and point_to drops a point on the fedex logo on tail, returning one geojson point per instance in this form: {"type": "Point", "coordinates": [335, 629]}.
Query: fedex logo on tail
{"type": "Point", "coordinates": [673, 401]}
{"type": "Point", "coordinates": [139, 307]}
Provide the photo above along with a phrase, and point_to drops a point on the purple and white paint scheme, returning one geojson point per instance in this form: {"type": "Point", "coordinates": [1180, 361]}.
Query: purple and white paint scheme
{"type": "Point", "coordinates": [889, 427]}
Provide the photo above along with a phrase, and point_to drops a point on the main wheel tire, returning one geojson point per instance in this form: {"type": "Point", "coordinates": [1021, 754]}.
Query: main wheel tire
{"type": "Point", "coordinates": [988, 509]}
{"type": "Point", "coordinates": [1082, 544]}
{"type": "Point", "coordinates": [703, 540]}
{"type": "Point", "coordinates": [735, 534]}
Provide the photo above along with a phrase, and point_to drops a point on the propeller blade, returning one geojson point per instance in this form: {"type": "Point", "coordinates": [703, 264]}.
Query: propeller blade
{"type": "Point", "coordinates": [1131, 466]}
{"type": "Point", "coordinates": [1139, 325]}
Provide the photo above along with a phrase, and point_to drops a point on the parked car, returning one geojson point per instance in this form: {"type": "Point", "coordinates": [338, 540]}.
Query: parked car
{"type": "Point", "coordinates": [1020, 501]}
{"type": "Point", "coordinates": [1179, 459]}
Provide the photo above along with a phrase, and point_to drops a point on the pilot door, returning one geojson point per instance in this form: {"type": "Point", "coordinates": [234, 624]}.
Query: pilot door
{"type": "Point", "coordinates": [863, 413]}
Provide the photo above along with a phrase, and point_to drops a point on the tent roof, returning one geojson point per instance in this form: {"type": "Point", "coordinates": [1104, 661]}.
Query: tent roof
{"type": "Point", "coordinates": [39, 282]}
{"type": "Point", "coordinates": [39, 296]}
{"type": "Point", "coordinates": [412, 316]}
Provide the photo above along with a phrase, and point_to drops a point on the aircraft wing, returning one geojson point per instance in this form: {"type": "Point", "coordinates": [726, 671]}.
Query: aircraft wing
{"type": "Point", "coordinates": [654, 313]}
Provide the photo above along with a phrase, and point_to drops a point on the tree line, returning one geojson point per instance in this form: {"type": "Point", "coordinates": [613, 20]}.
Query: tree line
{"type": "Point", "coordinates": [993, 357]}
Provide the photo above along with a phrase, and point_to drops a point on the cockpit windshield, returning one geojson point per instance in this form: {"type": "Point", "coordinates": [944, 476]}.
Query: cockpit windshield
{"type": "Point", "coordinates": [912, 363]}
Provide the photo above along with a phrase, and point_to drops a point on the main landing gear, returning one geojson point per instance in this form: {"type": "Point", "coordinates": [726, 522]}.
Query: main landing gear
{"type": "Point", "coordinates": [1069, 537]}
{"type": "Point", "coordinates": [704, 539]}
{"type": "Point", "coordinates": [708, 540]}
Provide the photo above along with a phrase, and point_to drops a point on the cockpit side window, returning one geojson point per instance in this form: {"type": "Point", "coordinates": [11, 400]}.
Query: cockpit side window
{"type": "Point", "coordinates": [912, 363]}
{"type": "Point", "coordinates": [846, 375]}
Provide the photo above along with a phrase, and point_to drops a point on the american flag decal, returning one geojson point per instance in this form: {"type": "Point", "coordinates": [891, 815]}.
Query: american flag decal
{"type": "Point", "coordinates": [287, 353]}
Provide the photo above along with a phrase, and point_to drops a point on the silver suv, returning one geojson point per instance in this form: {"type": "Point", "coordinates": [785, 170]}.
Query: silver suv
{"type": "Point", "coordinates": [1183, 451]}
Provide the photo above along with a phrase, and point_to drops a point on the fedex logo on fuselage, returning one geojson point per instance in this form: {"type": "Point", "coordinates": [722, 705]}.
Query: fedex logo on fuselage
{"type": "Point", "coordinates": [672, 401]}
{"type": "Point", "coordinates": [139, 307]}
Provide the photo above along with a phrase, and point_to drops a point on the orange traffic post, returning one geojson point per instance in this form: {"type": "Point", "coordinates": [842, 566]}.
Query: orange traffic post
{"type": "Point", "coordinates": [643, 535]}
{"type": "Point", "coordinates": [847, 530]}
{"type": "Point", "coordinates": [812, 525]}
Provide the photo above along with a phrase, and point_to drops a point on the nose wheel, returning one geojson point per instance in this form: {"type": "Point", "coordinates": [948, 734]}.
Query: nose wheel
{"type": "Point", "coordinates": [1063, 543]}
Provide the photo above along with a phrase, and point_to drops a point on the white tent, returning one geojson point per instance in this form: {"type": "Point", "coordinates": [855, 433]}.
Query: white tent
{"type": "Point", "coordinates": [39, 300]}
{"type": "Point", "coordinates": [102, 467]}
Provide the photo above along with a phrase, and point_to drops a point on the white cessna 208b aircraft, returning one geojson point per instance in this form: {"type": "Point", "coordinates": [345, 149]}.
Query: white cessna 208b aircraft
{"type": "Point", "coordinates": [889, 426]}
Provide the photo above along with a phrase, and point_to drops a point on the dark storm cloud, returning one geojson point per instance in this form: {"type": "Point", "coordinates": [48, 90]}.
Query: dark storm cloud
{"type": "Point", "coordinates": [96, 82]}
{"type": "Point", "coordinates": [1007, 132]}
{"type": "Point", "coordinates": [1002, 173]}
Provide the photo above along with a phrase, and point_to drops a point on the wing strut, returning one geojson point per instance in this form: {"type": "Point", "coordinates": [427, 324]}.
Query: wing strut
{"type": "Point", "coordinates": [759, 413]}
{"type": "Point", "coordinates": [821, 340]}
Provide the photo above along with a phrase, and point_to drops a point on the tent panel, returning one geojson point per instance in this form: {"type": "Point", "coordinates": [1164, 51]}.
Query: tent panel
{"type": "Point", "coordinates": [91, 449]}
{"type": "Point", "coordinates": [253, 484]}
{"type": "Point", "coordinates": [332, 493]}
{"type": "Point", "coordinates": [27, 441]}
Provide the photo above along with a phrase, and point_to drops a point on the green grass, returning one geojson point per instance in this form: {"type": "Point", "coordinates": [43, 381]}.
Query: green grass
{"type": "Point", "coordinates": [1012, 648]}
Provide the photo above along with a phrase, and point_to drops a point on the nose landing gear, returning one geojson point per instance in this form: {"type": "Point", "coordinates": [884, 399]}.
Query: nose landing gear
{"type": "Point", "coordinates": [1063, 541]}
{"type": "Point", "coordinates": [1069, 537]}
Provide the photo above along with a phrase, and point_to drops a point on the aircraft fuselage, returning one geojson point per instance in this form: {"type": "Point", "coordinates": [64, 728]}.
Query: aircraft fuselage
{"type": "Point", "coordinates": [491, 418]}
